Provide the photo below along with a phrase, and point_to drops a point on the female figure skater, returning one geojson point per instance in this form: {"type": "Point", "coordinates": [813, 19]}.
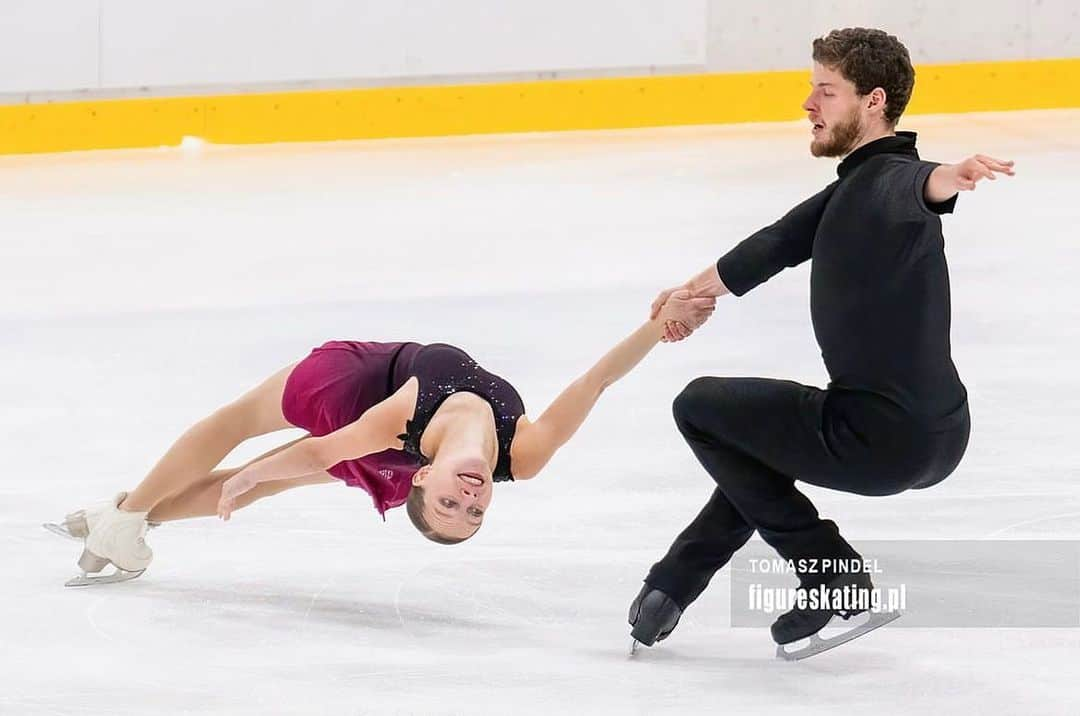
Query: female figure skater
{"type": "Point", "coordinates": [420, 425]}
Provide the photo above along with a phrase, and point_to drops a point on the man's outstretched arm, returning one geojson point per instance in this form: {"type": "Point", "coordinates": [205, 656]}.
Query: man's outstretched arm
{"type": "Point", "coordinates": [787, 242]}
{"type": "Point", "coordinates": [949, 179]}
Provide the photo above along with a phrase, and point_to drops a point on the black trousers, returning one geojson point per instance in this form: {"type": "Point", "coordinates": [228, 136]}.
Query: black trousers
{"type": "Point", "coordinates": [756, 436]}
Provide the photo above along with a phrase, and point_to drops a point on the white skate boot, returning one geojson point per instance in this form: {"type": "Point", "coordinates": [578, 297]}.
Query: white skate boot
{"type": "Point", "coordinates": [113, 536]}
{"type": "Point", "coordinates": [76, 525]}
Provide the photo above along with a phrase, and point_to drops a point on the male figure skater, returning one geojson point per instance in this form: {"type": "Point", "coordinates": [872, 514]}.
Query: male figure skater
{"type": "Point", "coordinates": [894, 416]}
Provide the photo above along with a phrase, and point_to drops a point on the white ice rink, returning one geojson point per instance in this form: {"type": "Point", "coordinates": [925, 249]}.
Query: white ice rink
{"type": "Point", "coordinates": [139, 290]}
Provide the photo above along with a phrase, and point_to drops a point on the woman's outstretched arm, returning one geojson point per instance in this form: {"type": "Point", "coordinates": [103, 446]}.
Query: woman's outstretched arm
{"type": "Point", "coordinates": [201, 498]}
{"type": "Point", "coordinates": [372, 432]}
{"type": "Point", "coordinates": [538, 441]}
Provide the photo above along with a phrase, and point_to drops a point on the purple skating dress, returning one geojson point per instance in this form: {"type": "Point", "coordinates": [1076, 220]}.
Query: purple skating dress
{"type": "Point", "coordinates": [340, 380]}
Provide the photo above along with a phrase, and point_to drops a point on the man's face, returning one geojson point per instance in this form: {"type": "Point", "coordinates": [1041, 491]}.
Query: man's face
{"type": "Point", "coordinates": [836, 113]}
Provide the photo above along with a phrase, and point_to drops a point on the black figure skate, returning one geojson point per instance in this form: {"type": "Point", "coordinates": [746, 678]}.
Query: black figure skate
{"type": "Point", "coordinates": [803, 623]}
{"type": "Point", "coordinates": [653, 615]}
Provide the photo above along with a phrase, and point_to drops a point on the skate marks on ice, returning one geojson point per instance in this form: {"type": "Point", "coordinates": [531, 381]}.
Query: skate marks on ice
{"type": "Point", "coordinates": [555, 603]}
{"type": "Point", "coordinates": [537, 596]}
{"type": "Point", "coordinates": [575, 603]}
{"type": "Point", "coordinates": [1070, 523]}
{"type": "Point", "coordinates": [252, 611]}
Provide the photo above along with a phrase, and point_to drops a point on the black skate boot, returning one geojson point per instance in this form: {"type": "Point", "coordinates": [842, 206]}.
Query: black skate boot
{"type": "Point", "coordinates": [802, 623]}
{"type": "Point", "coordinates": [653, 615]}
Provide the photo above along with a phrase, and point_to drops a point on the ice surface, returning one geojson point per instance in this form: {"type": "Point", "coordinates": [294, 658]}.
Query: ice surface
{"type": "Point", "coordinates": [140, 290]}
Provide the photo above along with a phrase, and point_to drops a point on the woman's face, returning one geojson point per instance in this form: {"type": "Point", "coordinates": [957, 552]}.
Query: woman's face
{"type": "Point", "coordinates": [457, 492]}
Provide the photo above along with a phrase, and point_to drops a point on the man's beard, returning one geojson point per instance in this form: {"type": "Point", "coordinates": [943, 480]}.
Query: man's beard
{"type": "Point", "coordinates": [843, 136]}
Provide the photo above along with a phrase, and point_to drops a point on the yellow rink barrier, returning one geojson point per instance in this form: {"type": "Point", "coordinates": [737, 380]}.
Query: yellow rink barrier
{"type": "Point", "coordinates": [534, 106]}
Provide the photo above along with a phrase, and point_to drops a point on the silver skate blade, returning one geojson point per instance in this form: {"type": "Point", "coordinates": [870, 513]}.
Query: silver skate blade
{"type": "Point", "coordinates": [87, 580]}
{"type": "Point", "coordinates": [818, 644]}
{"type": "Point", "coordinates": [62, 530]}
{"type": "Point", "coordinates": [633, 646]}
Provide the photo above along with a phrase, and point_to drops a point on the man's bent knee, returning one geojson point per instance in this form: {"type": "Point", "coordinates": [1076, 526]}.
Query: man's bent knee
{"type": "Point", "coordinates": [697, 400]}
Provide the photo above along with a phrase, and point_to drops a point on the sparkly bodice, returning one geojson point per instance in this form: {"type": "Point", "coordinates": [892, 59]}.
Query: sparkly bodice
{"type": "Point", "coordinates": [443, 370]}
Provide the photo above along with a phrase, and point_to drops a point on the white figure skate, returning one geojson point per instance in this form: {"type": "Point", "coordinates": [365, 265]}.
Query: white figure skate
{"type": "Point", "coordinates": [112, 536]}
{"type": "Point", "coordinates": [76, 525]}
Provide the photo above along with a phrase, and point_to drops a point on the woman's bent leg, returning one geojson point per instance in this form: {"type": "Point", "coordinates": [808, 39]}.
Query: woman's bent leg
{"type": "Point", "coordinates": [200, 499]}
{"type": "Point", "coordinates": [205, 444]}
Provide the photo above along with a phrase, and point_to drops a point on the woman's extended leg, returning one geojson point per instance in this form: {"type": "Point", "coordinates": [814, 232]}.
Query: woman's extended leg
{"type": "Point", "coordinates": [200, 499]}
{"type": "Point", "coordinates": [207, 442]}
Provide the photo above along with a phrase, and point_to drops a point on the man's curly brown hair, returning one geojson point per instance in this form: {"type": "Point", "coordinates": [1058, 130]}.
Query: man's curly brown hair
{"type": "Point", "coordinates": [870, 58]}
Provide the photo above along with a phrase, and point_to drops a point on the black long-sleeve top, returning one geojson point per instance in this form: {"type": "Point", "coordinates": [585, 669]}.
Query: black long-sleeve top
{"type": "Point", "coordinates": [879, 283]}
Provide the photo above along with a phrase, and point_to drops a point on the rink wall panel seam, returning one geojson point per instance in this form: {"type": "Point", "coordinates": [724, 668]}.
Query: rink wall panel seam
{"type": "Point", "coordinates": [507, 107]}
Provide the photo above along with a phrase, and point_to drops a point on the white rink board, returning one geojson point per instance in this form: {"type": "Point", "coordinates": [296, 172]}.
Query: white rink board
{"type": "Point", "coordinates": [49, 45]}
{"type": "Point", "coordinates": [53, 48]}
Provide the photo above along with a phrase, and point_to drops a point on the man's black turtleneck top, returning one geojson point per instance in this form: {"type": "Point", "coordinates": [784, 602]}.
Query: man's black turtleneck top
{"type": "Point", "coordinates": [879, 284]}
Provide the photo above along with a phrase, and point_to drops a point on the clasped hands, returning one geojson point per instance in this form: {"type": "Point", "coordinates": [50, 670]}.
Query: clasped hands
{"type": "Point", "coordinates": [682, 313]}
